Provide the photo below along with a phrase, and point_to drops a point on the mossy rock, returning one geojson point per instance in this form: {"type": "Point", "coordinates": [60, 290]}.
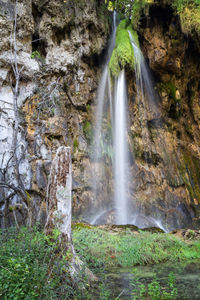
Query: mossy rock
{"type": "Point", "coordinates": [79, 225]}
{"type": "Point", "coordinates": [87, 130]}
{"type": "Point", "coordinates": [170, 89]}
{"type": "Point", "coordinates": [140, 7]}
{"type": "Point", "coordinates": [123, 54]}
{"type": "Point", "coordinates": [153, 230]}
{"type": "Point", "coordinates": [190, 172]}
{"type": "Point", "coordinates": [189, 13]}
{"type": "Point", "coordinates": [75, 144]}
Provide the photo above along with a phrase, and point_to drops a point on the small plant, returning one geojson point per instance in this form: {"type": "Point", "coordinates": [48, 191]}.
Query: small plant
{"type": "Point", "coordinates": [30, 267]}
{"type": "Point", "coordinates": [87, 130]}
{"type": "Point", "coordinates": [36, 54]}
{"type": "Point", "coordinates": [155, 290]}
{"type": "Point", "coordinates": [75, 144]}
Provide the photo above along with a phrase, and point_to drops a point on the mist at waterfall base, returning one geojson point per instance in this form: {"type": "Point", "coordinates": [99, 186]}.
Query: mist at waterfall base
{"type": "Point", "coordinates": [112, 112]}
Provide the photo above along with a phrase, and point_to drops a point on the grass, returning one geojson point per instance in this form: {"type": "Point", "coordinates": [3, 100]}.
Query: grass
{"type": "Point", "coordinates": [98, 247]}
{"type": "Point", "coordinates": [35, 266]}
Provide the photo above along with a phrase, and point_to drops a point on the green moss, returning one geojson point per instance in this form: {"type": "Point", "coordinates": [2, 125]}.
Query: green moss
{"type": "Point", "coordinates": [75, 144]}
{"type": "Point", "coordinates": [79, 226]}
{"type": "Point", "coordinates": [123, 55]}
{"type": "Point", "coordinates": [169, 88]}
{"type": "Point", "coordinates": [87, 130]}
{"type": "Point", "coordinates": [190, 172]}
{"type": "Point", "coordinates": [187, 10]}
{"type": "Point", "coordinates": [172, 90]}
{"type": "Point", "coordinates": [139, 6]}
{"type": "Point", "coordinates": [189, 13]}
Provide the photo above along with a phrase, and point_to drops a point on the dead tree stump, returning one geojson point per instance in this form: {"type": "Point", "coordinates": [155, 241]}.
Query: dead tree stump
{"type": "Point", "coordinates": [59, 207]}
{"type": "Point", "coordinates": [59, 192]}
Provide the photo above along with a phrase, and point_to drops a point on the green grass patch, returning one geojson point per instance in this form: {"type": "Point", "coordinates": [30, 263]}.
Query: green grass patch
{"type": "Point", "coordinates": [98, 247]}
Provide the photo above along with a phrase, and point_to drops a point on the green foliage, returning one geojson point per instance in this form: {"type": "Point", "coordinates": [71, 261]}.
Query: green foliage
{"type": "Point", "coordinates": [30, 267]}
{"type": "Point", "coordinates": [36, 54]}
{"type": "Point", "coordinates": [155, 290]}
{"type": "Point", "coordinates": [189, 12]}
{"type": "Point", "coordinates": [170, 89]}
{"type": "Point", "coordinates": [180, 5]}
{"type": "Point", "coordinates": [123, 54]}
{"type": "Point", "coordinates": [99, 247]}
{"type": "Point", "coordinates": [137, 8]}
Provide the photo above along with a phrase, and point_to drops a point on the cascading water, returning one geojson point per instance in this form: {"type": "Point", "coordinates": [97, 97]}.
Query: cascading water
{"type": "Point", "coordinates": [113, 110]}
{"type": "Point", "coordinates": [104, 93]}
{"type": "Point", "coordinates": [120, 152]}
{"type": "Point", "coordinates": [104, 90]}
{"type": "Point", "coordinates": [145, 91]}
{"type": "Point", "coordinates": [143, 78]}
{"type": "Point", "coordinates": [144, 88]}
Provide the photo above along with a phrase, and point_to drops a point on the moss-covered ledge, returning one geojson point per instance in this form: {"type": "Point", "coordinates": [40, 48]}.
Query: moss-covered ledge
{"type": "Point", "coordinates": [123, 54]}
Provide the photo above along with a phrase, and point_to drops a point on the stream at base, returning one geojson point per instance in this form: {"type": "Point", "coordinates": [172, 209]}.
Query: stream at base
{"type": "Point", "coordinates": [126, 283]}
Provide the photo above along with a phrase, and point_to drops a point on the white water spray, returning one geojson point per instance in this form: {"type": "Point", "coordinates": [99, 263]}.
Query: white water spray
{"type": "Point", "coordinates": [143, 80]}
{"type": "Point", "coordinates": [120, 147]}
{"type": "Point", "coordinates": [104, 90]}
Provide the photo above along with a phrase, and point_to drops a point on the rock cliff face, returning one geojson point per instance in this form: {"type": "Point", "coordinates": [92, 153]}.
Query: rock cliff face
{"type": "Point", "coordinates": [60, 48]}
{"type": "Point", "coordinates": [59, 44]}
{"type": "Point", "coordinates": [167, 164]}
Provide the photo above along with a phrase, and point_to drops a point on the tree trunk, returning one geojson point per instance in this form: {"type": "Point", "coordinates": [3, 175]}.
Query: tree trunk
{"type": "Point", "coordinates": [59, 195]}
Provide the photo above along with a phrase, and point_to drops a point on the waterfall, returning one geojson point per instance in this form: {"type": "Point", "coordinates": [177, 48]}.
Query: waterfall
{"type": "Point", "coordinates": [104, 90]}
{"type": "Point", "coordinates": [143, 78]}
{"type": "Point", "coordinates": [104, 95]}
{"type": "Point", "coordinates": [120, 152]}
{"type": "Point", "coordinates": [99, 114]}
{"type": "Point", "coordinates": [111, 107]}
{"type": "Point", "coordinates": [145, 91]}
{"type": "Point", "coordinates": [142, 83]}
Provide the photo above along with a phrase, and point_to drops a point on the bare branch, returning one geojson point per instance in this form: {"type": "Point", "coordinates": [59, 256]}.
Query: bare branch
{"type": "Point", "coordinates": [5, 102]}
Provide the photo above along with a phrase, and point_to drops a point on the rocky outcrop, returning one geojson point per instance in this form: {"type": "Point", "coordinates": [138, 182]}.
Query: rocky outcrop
{"type": "Point", "coordinates": [59, 45]}
{"type": "Point", "coordinates": [167, 164]}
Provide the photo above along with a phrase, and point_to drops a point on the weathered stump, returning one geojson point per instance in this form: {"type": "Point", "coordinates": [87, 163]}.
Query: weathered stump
{"type": "Point", "coordinates": [59, 192]}
{"type": "Point", "coordinates": [59, 207]}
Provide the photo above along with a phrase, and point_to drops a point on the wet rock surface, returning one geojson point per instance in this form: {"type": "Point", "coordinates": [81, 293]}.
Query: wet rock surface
{"type": "Point", "coordinates": [167, 161]}
{"type": "Point", "coordinates": [58, 48]}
